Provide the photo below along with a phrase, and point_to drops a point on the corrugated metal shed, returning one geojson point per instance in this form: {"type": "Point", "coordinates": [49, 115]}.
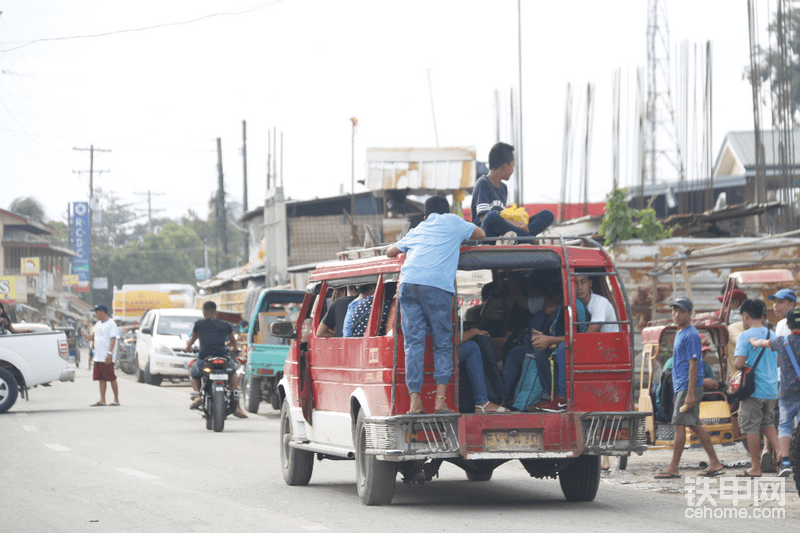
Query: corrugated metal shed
{"type": "Point", "coordinates": [738, 154]}
{"type": "Point", "coordinates": [699, 266]}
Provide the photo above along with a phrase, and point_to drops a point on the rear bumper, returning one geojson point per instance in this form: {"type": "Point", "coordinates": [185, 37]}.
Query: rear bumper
{"type": "Point", "coordinates": [505, 435]}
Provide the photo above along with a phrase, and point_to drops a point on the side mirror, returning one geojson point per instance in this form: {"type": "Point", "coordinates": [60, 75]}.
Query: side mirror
{"type": "Point", "coordinates": [146, 331]}
{"type": "Point", "coordinates": [283, 330]}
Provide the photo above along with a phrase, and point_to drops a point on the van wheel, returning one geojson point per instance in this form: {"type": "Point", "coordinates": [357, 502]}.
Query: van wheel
{"type": "Point", "coordinates": [375, 479]}
{"type": "Point", "coordinates": [9, 390]}
{"type": "Point", "coordinates": [581, 479]}
{"type": "Point", "coordinates": [252, 395]}
{"type": "Point", "coordinates": [139, 373]}
{"type": "Point", "coordinates": [275, 400]}
{"type": "Point", "coordinates": [149, 378]}
{"type": "Point", "coordinates": [297, 465]}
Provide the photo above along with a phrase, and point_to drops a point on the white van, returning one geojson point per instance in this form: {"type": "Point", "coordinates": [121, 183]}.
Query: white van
{"type": "Point", "coordinates": [160, 343]}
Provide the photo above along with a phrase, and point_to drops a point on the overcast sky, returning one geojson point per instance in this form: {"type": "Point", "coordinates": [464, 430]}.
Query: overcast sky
{"type": "Point", "coordinates": [159, 98]}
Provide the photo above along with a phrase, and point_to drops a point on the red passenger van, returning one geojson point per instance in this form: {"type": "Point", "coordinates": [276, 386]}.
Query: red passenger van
{"type": "Point", "coordinates": [346, 398]}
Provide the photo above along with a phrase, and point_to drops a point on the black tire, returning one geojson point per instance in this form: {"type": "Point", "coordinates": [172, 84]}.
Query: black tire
{"type": "Point", "coordinates": [275, 400]}
{"type": "Point", "coordinates": [252, 394]}
{"type": "Point", "coordinates": [218, 411]}
{"type": "Point", "coordinates": [794, 456]}
{"type": "Point", "coordinates": [581, 479]}
{"type": "Point", "coordinates": [375, 479]}
{"type": "Point", "coordinates": [149, 378]}
{"type": "Point", "coordinates": [127, 368]}
{"type": "Point", "coordinates": [139, 373]}
{"type": "Point", "coordinates": [297, 465]}
{"type": "Point", "coordinates": [9, 390]}
{"type": "Point", "coordinates": [623, 463]}
{"type": "Point", "coordinates": [479, 470]}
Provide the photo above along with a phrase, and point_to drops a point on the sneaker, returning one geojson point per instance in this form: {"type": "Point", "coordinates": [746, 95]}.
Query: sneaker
{"type": "Point", "coordinates": [556, 405]}
{"type": "Point", "coordinates": [196, 403]}
{"type": "Point", "coordinates": [786, 470]}
{"type": "Point", "coordinates": [509, 239]}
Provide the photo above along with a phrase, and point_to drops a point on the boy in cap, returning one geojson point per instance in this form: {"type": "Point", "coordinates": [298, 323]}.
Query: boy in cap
{"type": "Point", "coordinates": [783, 301]}
{"type": "Point", "coordinates": [687, 383]}
{"type": "Point", "coordinates": [425, 295]}
{"type": "Point", "coordinates": [104, 336]}
{"type": "Point", "coordinates": [787, 349]}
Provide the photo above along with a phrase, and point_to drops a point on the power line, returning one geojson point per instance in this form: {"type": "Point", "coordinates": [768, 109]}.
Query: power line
{"type": "Point", "coordinates": [153, 27]}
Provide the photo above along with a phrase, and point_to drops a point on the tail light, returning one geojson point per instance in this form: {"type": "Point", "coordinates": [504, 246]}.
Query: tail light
{"type": "Point", "coordinates": [63, 350]}
{"type": "Point", "coordinates": [218, 361]}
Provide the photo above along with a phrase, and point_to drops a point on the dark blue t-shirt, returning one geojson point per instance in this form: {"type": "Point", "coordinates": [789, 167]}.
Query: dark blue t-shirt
{"type": "Point", "coordinates": [486, 197]}
{"type": "Point", "coordinates": [212, 334]}
{"type": "Point", "coordinates": [687, 346]}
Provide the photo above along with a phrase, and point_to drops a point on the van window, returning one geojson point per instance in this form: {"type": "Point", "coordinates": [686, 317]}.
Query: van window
{"type": "Point", "coordinates": [176, 325]}
{"type": "Point", "coordinates": [389, 306]}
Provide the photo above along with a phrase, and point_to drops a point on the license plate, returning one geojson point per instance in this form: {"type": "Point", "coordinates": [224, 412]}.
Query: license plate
{"type": "Point", "coordinates": [218, 376]}
{"type": "Point", "coordinates": [512, 440]}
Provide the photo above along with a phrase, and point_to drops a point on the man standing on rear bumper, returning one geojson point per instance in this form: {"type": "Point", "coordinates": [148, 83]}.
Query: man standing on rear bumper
{"type": "Point", "coordinates": [427, 286]}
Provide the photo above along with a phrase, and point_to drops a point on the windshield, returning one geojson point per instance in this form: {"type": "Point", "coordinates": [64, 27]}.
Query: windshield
{"type": "Point", "coordinates": [176, 325]}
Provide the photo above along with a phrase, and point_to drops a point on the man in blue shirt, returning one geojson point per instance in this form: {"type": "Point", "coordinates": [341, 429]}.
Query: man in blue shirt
{"type": "Point", "coordinates": [687, 383]}
{"type": "Point", "coordinates": [427, 286]}
{"type": "Point", "coordinates": [490, 196]}
{"type": "Point", "coordinates": [756, 412]}
{"type": "Point", "coordinates": [789, 394]}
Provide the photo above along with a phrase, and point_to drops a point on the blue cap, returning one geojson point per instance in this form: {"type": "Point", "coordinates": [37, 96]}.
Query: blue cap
{"type": "Point", "coordinates": [101, 307]}
{"type": "Point", "coordinates": [783, 294]}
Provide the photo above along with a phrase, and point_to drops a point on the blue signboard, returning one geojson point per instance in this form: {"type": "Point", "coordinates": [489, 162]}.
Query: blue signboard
{"type": "Point", "coordinates": [80, 240]}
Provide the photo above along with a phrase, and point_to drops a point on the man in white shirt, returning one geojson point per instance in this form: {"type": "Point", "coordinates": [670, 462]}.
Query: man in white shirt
{"type": "Point", "coordinates": [598, 306]}
{"type": "Point", "coordinates": [783, 301]}
{"type": "Point", "coordinates": [104, 336]}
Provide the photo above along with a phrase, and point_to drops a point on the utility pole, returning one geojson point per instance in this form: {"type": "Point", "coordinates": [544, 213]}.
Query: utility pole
{"type": "Point", "coordinates": [244, 194]}
{"type": "Point", "coordinates": [149, 194]}
{"type": "Point", "coordinates": [91, 151]}
{"type": "Point", "coordinates": [222, 219]}
{"type": "Point", "coordinates": [354, 120]}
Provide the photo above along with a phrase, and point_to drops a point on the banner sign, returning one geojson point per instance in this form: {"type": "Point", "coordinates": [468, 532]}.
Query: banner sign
{"type": "Point", "coordinates": [80, 240]}
{"type": "Point", "coordinates": [100, 283]}
{"type": "Point", "coordinates": [29, 266]}
{"type": "Point", "coordinates": [13, 289]}
{"type": "Point", "coordinates": [70, 280]}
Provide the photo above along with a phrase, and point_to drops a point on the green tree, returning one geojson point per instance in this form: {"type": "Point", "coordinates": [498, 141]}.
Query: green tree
{"type": "Point", "coordinates": [771, 73]}
{"type": "Point", "coordinates": [27, 206]}
{"type": "Point", "coordinates": [620, 221]}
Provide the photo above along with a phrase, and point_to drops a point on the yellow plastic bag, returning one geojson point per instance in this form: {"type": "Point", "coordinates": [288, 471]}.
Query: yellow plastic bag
{"type": "Point", "coordinates": [517, 214]}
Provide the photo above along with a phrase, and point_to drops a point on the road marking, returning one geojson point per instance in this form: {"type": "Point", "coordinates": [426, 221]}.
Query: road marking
{"type": "Point", "coordinates": [136, 473]}
{"type": "Point", "coordinates": [30, 428]}
{"type": "Point", "coordinates": [299, 522]}
{"type": "Point", "coordinates": [58, 447]}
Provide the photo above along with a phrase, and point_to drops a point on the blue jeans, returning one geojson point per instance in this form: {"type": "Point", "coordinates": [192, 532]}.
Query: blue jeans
{"type": "Point", "coordinates": [789, 411]}
{"type": "Point", "coordinates": [495, 226]}
{"type": "Point", "coordinates": [424, 308]}
{"type": "Point", "coordinates": [470, 353]}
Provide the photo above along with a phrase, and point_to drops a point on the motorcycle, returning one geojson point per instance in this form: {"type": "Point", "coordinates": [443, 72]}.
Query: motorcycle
{"type": "Point", "coordinates": [218, 400]}
{"type": "Point", "coordinates": [126, 354]}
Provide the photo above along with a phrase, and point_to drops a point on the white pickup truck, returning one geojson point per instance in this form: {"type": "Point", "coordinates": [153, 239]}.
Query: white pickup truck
{"type": "Point", "coordinates": [30, 359]}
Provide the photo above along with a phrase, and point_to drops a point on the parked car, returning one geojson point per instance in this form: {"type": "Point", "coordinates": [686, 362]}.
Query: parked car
{"type": "Point", "coordinates": [160, 343]}
{"type": "Point", "coordinates": [30, 359]}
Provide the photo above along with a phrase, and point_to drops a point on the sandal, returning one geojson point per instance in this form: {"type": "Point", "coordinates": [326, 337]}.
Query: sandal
{"type": "Point", "coordinates": [667, 475]}
{"type": "Point", "coordinates": [97, 404]}
{"type": "Point", "coordinates": [482, 409]}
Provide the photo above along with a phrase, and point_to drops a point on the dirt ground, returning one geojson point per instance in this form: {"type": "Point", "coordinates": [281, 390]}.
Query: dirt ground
{"type": "Point", "coordinates": [641, 469]}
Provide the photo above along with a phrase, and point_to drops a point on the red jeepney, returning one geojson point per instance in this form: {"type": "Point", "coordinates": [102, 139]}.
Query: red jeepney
{"type": "Point", "coordinates": [347, 397]}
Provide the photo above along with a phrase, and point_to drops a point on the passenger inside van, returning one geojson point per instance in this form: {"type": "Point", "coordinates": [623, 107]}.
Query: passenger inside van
{"type": "Point", "coordinates": [357, 317]}
{"type": "Point", "coordinates": [332, 324]}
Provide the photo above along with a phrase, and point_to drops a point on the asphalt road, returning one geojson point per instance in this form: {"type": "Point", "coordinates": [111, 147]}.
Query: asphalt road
{"type": "Point", "coordinates": [150, 465]}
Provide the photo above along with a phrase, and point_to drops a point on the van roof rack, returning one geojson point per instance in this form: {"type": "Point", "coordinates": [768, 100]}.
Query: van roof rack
{"type": "Point", "coordinates": [362, 253]}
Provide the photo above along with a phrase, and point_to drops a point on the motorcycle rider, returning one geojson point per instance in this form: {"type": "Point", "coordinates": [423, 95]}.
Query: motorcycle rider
{"type": "Point", "coordinates": [212, 334]}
